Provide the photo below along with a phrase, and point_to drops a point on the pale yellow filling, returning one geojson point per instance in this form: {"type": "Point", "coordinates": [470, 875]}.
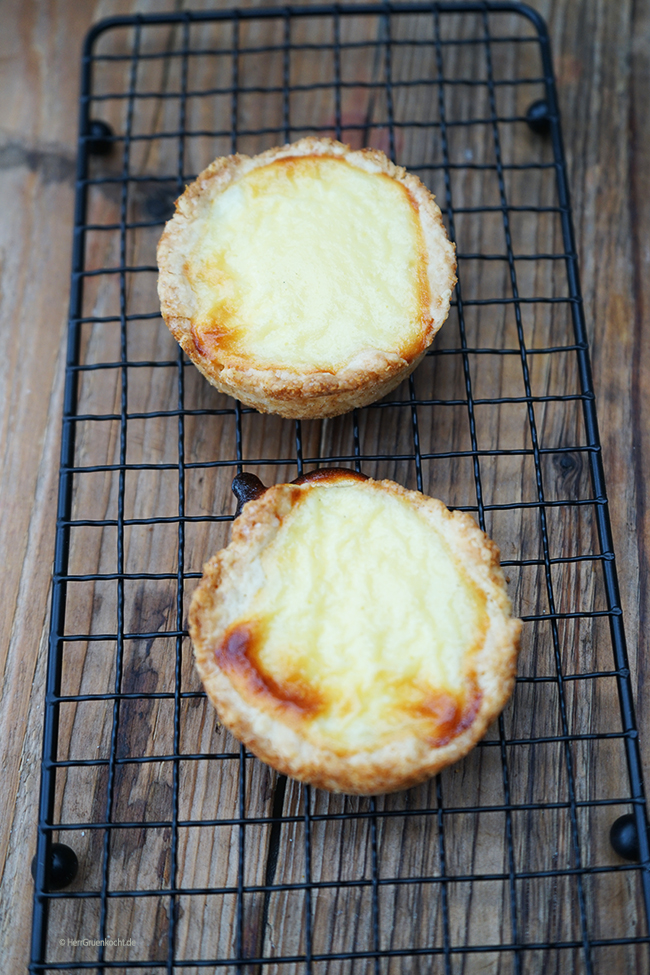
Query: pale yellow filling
{"type": "Point", "coordinates": [364, 604]}
{"type": "Point", "coordinates": [307, 262]}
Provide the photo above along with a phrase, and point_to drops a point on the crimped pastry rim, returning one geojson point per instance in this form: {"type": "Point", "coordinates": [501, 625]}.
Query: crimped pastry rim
{"type": "Point", "coordinates": [398, 765]}
{"type": "Point", "coordinates": [296, 392]}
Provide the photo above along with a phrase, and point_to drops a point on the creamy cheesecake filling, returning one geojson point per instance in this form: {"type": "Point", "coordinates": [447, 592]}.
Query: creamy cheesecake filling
{"type": "Point", "coordinates": [363, 628]}
{"type": "Point", "coordinates": [308, 261]}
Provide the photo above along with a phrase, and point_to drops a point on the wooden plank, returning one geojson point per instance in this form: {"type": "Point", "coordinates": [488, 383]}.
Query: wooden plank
{"type": "Point", "coordinates": [38, 121]}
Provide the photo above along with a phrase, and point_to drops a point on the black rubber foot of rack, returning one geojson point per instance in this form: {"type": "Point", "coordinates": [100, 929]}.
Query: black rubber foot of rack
{"type": "Point", "coordinates": [100, 142]}
{"type": "Point", "coordinates": [624, 837]}
{"type": "Point", "coordinates": [537, 117]}
{"type": "Point", "coordinates": [61, 869]}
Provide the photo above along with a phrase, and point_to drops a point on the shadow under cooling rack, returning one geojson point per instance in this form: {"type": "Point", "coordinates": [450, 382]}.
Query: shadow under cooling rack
{"type": "Point", "coordinates": [193, 855]}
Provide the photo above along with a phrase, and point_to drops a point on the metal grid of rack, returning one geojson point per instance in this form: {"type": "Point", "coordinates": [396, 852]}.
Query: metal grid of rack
{"type": "Point", "coordinates": [194, 856]}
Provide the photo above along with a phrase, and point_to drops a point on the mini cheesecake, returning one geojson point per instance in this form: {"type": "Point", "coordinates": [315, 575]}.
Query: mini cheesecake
{"type": "Point", "coordinates": [355, 635]}
{"type": "Point", "coordinates": [308, 280]}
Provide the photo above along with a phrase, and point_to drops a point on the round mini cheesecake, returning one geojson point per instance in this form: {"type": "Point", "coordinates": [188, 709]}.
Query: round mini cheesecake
{"type": "Point", "coordinates": [355, 635]}
{"type": "Point", "coordinates": [308, 280]}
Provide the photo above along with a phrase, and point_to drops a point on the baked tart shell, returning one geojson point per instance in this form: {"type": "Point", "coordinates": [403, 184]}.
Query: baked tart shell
{"type": "Point", "coordinates": [277, 717]}
{"type": "Point", "coordinates": [305, 389]}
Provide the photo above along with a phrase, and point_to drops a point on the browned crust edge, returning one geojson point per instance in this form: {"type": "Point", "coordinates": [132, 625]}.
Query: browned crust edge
{"type": "Point", "coordinates": [291, 393]}
{"type": "Point", "coordinates": [396, 766]}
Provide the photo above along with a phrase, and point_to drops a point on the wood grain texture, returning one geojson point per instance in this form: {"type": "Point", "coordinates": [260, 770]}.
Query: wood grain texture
{"type": "Point", "coordinates": [602, 70]}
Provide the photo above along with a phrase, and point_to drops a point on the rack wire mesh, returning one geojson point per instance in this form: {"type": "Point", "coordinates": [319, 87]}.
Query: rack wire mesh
{"type": "Point", "coordinates": [193, 855]}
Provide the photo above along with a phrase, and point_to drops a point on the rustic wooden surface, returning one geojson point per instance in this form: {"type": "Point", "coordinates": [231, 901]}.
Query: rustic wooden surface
{"type": "Point", "coordinates": [601, 59]}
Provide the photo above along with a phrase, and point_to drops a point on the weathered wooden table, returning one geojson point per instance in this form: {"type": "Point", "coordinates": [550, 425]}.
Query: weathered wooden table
{"type": "Point", "coordinates": [601, 60]}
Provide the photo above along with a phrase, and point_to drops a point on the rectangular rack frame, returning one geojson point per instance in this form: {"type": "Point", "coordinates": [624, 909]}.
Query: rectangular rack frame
{"type": "Point", "coordinates": [509, 953]}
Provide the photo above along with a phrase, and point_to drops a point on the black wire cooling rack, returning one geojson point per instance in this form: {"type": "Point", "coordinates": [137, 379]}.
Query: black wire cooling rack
{"type": "Point", "coordinates": [192, 855]}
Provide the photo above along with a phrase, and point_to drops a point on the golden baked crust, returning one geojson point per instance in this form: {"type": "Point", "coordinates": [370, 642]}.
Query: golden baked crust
{"type": "Point", "coordinates": [309, 388]}
{"type": "Point", "coordinates": [356, 700]}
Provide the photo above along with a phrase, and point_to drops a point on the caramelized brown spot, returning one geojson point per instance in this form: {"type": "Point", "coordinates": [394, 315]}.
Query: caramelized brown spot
{"type": "Point", "coordinates": [209, 338]}
{"type": "Point", "coordinates": [237, 656]}
{"type": "Point", "coordinates": [449, 714]}
{"type": "Point", "coordinates": [289, 168]}
{"type": "Point", "coordinates": [330, 474]}
{"type": "Point", "coordinates": [423, 288]}
{"type": "Point", "coordinates": [296, 166]}
{"type": "Point", "coordinates": [215, 329]}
